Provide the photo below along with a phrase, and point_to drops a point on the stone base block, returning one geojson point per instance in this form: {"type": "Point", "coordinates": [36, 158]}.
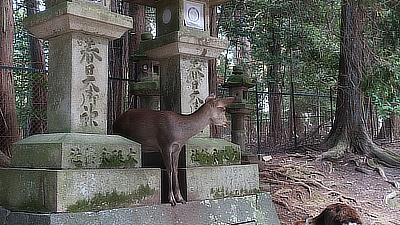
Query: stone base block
{"type": "Point", "coordinates": [200, 183]}
{"type": "Point", "coordinates": [221, 181]}
{"type": "Point", "coordinates": [199, 152]}
{"type": "Point", "coordinates": [211, 151]}
{"type": "Point", "coordinates": [252, 209]}
{"type": "Point", "coordinates": [43, 190]}
{"type": "Point", "coordinates": [75, 150]}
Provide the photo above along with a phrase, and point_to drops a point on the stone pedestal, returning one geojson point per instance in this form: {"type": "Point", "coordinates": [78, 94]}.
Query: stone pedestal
{"type": "Point", "coordinates": [77, 167]}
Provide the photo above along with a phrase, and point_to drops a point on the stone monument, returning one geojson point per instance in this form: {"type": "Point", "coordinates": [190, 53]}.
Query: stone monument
{"type": "Point", "coordinates": [77, 167]}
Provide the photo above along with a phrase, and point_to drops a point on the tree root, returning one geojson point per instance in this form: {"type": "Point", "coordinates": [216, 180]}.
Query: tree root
{"type": "Point", "coordinates": [390, 196]}
{"type": "Point", "coordinates": [382, 173]}
{"type": "Point", "coordinates": [340, 195]}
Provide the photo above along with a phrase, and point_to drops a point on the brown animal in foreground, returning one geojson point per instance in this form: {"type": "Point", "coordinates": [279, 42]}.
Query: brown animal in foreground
{"type": "Point", "coordinates": [335, 214]}
{"type": "Point", "coordinates": [167, 132]}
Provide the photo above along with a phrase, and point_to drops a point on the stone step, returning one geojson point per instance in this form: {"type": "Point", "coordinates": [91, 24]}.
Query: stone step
{"type": "Point", "coordinates": [251, 209]}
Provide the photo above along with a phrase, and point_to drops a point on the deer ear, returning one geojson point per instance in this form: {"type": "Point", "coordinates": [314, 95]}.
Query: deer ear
{"type": "Point", "coordinates": [224, 102]}
{"type": "Point", "coordinates": [211, 97]}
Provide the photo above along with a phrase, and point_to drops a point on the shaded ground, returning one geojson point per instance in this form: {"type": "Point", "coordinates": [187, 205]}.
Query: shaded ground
{"type": "Point", "coordinates": [301, 186]}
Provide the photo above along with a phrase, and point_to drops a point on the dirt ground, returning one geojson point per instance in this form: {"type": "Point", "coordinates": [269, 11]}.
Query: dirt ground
{"type": "Point", "coordinates": [302, 185]}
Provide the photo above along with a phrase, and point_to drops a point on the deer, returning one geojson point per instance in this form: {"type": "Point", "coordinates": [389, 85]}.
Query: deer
{"type": "Point", "coordinates": [167, 132]}
{"type": "Point", "coordinates": [335, 214]}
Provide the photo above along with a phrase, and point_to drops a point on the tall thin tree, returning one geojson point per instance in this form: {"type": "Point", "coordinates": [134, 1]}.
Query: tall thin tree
{"type": "Point", "coordinates": [8, 111]}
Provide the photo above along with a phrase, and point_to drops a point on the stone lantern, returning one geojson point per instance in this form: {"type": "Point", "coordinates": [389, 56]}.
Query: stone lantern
{"type": "Point", "coordinates": [148, 85]}
{"type": "Point", "coordinates": [238, 85]}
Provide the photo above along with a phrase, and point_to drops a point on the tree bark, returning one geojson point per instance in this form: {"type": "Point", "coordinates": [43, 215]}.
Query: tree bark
{"type": "Point", "coordinates": [274, 100]}
{"type": "Point", "coordinates": [349, 133]}
{"type": "Point", "coordinates": [212, 69]}
{"type": "Point", "coordinates": [37, 123]}
{"type": "Point", "coordinates": [8, 112]}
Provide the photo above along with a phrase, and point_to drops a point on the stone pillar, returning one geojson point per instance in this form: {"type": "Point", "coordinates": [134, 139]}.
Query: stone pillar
{"type": "Point", "coordinates": [183, 47]}
{"type": "Point", "coordinates": [78, 34]}
{"type": "Point", "coordinates": [77, 167]}
{"type": "Point", "coordinates": [238, 85]}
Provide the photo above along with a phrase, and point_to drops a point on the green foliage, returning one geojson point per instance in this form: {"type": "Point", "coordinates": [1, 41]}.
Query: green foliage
{"type": "Point", "coordinates": [382, 81]}
{"type": "Point", "coordinates": [300, 40]}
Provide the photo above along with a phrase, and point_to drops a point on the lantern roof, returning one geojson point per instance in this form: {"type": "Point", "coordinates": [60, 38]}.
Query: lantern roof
{"type": "Point", "coordinates": [239, 79]}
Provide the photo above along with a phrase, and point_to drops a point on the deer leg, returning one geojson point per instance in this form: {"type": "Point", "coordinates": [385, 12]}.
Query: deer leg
{"type": "Point", "coordinates": [177, 190]}
{"type": "Point", "coordinates": [167, 158]}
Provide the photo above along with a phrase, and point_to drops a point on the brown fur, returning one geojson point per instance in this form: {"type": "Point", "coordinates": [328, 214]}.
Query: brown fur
{"type": "Point", "coordinates": [335, 214]}
{"type": "Point", "coordinates": [166, 132]}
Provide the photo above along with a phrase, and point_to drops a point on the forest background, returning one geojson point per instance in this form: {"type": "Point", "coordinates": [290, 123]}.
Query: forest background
{"type": "Point", "coordinates": [283, 45]}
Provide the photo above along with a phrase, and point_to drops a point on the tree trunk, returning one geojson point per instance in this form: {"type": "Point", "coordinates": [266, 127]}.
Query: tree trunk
{"type": "Point", "coordinates": [274, 100]}
{"type": "Point", "coordinates": [119, 54]}
{"type": "Point", "coordinates": [212, 69]}
{"type": "Point", "coordinates": [37, 123]}
{"type": "Point", "coordinates": [8, 111]}
{"type": "Point", "coordinates": [349, 133]}
{"type": "Point", "coordinates": [390, 128]}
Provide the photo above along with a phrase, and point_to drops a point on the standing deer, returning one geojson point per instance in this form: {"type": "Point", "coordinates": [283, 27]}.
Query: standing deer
{"type": "Point", "coordinates": [167, 132]}
{"type": "Point", "coordinates": [335, 214]}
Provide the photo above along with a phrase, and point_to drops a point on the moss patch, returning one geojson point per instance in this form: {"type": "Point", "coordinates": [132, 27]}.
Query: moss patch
{"type": "Point", "coordinates": [218, 157]}
{"type": "Point", "coordinates": [116, 159]}
{"type": "Point", "coordinates": [110, 200]}
{"type": "Point", "coordinates": [222, 192]}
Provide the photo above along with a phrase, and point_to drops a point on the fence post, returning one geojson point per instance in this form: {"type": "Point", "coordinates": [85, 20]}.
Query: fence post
{"type": "Point", "coordinates": [258, 123]}
{"type": "Point", "coordinates": [331, 99]}
{"type": "Point", "coordinates": [293, 111]}
{"type": "Point", "coordinates": [390, 129]}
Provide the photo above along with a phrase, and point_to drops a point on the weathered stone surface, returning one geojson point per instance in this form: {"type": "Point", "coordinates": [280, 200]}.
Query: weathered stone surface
{"type": "Point", "coordinates": [41, 190]}
{"type": "Point", "coordinates": [221, 181]}
{"type": "Point", "coordinates": [253, 209]}
{"type": "Point", "coordinates": [73, 150]}
{"type": "Point", "coordinates": [77, 100]}
{"type": "Point", "coordinates": [211, 151]}
{"type": "Point", "coordinates": [183, 42]}
{"type": "Point", "coordinates": [78, 16]}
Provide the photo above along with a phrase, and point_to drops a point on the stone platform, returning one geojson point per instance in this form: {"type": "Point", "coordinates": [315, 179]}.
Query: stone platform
{"type": "Point", "coordinates": [252, 209]}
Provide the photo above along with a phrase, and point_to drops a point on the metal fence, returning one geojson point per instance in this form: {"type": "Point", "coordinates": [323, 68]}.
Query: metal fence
{"type": "Point", "coordinates": [305, 118]}
{"type": "Point", "coordinates": [30, 89]}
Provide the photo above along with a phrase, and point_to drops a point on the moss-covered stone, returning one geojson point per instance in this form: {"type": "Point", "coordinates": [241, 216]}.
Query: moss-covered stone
{"type": "Point", "coordinates": [43, 190]}
{"type": "Point", "coordinates": [111, 200]}
{"type": "Point", "coordinates": [221, 181]}
{"type": "Point", "coordinates": [211, 151]}
{"type": "Point", "coordinates": [218, 157]}
{"type": "Point", "coordinates": [146, 88]}
{"type": "Point", "coordinates": [223, 192]}
{"type": "Point", "coordinates": [74, 150]}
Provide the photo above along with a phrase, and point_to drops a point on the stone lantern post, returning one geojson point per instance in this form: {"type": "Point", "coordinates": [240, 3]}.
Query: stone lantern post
{"type": "Point", "coordinates": [238, 85]}
{"type": "Point", "coordinates": [148, 85]}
